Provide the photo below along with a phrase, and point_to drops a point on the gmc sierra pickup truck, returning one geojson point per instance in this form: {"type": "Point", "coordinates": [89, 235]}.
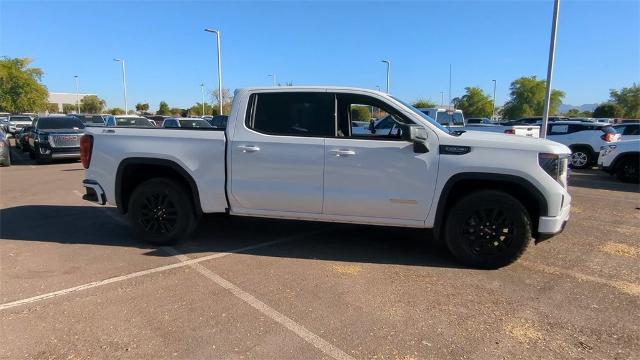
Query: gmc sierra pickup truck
{"type": "Point", "coordinates": [290, 153]}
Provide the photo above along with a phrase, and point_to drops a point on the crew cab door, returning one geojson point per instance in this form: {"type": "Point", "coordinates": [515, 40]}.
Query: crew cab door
{"type": "Point", "coordinates": [277, 152]}
{"type": "Point", "coordinates": [376, 175]}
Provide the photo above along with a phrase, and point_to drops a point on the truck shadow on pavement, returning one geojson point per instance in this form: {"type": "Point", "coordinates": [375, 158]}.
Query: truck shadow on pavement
{"type": "Point", "coordinates": [599, 180]}
{"type": "Point", "coordinates": [219, 233]}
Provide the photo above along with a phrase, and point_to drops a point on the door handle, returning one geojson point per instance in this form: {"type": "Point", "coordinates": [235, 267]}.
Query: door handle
{"type": "Point", "coordinates": [340, 153]}
{"type": "Point", "coordinates": [248, 148]}
{"type": "Point", "coordinates": [108, 131]}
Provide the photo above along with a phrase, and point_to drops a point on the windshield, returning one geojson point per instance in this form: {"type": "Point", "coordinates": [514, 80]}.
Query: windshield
{"type": "Point", "coordinates": [20, 118]}
{"type": "Point", "coordinates": [422, 115]}
{"type": "Point", "coordinates": [133, 121]}
{"type": "Point", "coordinates": [60, 123]}
{"type": "Point", "coordinates": [449, 119]}
{"type": "Point", "coordinates": [195, 123]}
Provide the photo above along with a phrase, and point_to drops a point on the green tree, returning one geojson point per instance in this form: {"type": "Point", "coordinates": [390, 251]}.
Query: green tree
{"type": "Point", "coordinates": [115, 111]}
{"type": "Point", "coordinates": [608, 110]}
{"type": "Point", "coordinates": [527, 98]}
{"type": "Point", "coordinates": [226, 102]}
{"type": "Point", "coordinates": [163, 109]}
{"type": "Point", "coordinates": [52, 108]}
{"type": "Point", "coordinates": [573, 113]}
{"type": "Point", "coordinates": [423, 103]}
{"type": "Point", "coordinates": [92, 104]}
{"type": "Point", "coordinates": [20, 87]}
{"type": "Point", "coordinates": [360, 113]}
{"type": "Point", "coordinates": [142, 107]}
{"type": "Point", "coordinates": [474, 103]}
{"type": "Point", "coordinates": [176, 111]}
{"type": "Point", "coordinates": [196, 109]}
{"type": "Point", "coordinates": [68, 108]}
{"type": "Point", "coordinates": [628, 99]}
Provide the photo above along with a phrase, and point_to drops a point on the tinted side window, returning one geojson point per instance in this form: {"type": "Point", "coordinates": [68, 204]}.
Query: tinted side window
{"type": "Point", "coordinates": [575, 128]}
{"type": "Point", "coordinates": [631, 130]}
{"type": "Point", "coordinates": [294, 114]}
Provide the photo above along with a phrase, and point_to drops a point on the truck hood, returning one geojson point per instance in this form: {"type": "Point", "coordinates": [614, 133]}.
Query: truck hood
{"type": "Point", "coordinates": [506, 142]}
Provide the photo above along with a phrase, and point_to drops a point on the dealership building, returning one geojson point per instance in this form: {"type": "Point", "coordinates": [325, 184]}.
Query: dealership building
{"type": "Point", "coordinates": [65, 98]}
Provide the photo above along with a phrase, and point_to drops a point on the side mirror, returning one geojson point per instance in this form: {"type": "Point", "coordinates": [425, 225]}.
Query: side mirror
{"type": "Point", "coordinates": [418, 135]}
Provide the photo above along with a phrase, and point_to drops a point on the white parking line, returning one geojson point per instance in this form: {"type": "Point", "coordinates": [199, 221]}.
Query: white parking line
{"type": "Point", "coordinates": [285, 321]}
{"type": "Point", "coordinates": [627, 287]}
{"type": "Point", "coordinates": [136, 274]}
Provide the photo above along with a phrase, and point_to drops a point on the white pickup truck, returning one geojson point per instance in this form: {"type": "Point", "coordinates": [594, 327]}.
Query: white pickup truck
{"type": "Point", "coordinates": [289, 153]}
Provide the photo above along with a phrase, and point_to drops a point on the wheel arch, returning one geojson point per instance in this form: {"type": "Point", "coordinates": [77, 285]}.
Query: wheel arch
{"type": "Point", "coordinates": [462, 184]}
{"type": "Point", "coordinates": [133, 171]}
{"type": "Point", "coordinates": [620, 157]}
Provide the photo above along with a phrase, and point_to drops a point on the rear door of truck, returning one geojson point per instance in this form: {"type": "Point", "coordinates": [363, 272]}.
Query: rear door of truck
{"type": "Point", "coordinates": [277, 152]}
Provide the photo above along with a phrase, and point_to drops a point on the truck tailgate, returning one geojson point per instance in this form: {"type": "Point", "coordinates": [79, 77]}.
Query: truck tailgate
{"type": "Point", "coordinates": [200, 153]}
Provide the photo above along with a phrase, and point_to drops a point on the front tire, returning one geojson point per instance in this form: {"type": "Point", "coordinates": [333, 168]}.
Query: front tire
{"type": "Point", "coordinates": [161, 212]}
{"type": "Point", "coordinates": [488, 229]}
{"type": "Point", "coordinates": [627, 170]}
{"type": "Point", "coordinates": [581, 158]}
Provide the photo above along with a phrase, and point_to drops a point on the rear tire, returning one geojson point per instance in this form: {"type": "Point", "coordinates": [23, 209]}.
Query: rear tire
{"type": "Point", "coordinates": [627, 170]}
{"type": "Point", "coordinates": [40, 159]}
{"type": "Point", "coordinates": [488, 229]}
{"type": "Point", "coordinates": [161, 212]}
{"type": "Point", "coordinates": [581, 158]}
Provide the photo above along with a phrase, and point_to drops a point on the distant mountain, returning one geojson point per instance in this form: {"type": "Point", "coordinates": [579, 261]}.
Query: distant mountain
{"type": "Point", "coordinates": [584, 107]}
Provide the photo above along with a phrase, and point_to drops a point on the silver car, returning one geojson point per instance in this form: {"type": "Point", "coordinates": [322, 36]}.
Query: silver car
{"type": "Point", "coordinates": [5, 149]}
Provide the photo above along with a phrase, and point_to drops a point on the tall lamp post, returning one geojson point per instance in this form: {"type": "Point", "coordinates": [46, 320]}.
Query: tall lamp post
{"type": "Point", "coordinates": [388, 69]}
{"type": "Point", "coordinates": [552, 52]}
{"type": "Point", "coordinates": [124, 85]}
{"type": "Point", "coordinates": [493, 110]}
{"type": "Point", "coordinates": [273, 77]}
{"type": "Point", "coordinates": [77, 94]}
{"type": "Point", "coordinates": [217, 32]}
{"type": "Point", "coordinates": [202, 91]}
{"type": "Point", "coordinates": [441, 98]}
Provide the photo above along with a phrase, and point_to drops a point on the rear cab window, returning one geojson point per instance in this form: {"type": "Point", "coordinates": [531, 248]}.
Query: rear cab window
{"type": "Point", "coordinates": [292, 114]}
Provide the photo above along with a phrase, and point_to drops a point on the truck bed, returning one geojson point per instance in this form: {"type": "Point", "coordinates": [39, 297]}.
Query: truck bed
{"type": "Point", "coordinates": [200, 152]}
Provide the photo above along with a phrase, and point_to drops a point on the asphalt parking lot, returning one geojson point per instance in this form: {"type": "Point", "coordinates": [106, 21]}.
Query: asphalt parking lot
{"type": "Point", "coordinates": [75, 285]}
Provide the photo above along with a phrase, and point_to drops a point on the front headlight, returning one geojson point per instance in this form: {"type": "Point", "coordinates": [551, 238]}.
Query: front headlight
{"type": "Point", "coordinates": [555, 165]}
{"type": "Point", "coordinates": [607, 149]}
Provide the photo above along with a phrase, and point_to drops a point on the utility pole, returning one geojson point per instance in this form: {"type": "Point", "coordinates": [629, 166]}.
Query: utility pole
{"type": "Point", "coordinates": [449, 86]}
{"type": "Point", "coordinates": [441, 98]}
{"type": "Point", "coordinates": [124, 85]}
{"type": "Point", "coordinates": [273, 78]}
{"type": "Point", "coordinates": [493, 111]}
{"type": "Point", "coordinates": [220, 95]}
{"type": "Point", "coordinates": [552, 53]}
{"type": "Point", "coordinates": [388, 70]}
{"type": "Point", "coordinates": [77, 95]}
{"type": "Point", "coordinates": [202, 91]}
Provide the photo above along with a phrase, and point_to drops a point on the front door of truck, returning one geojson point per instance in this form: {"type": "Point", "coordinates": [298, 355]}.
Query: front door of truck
{"type": "Point", "coordinates": [376, 175]}
{"type": "Point", "coordinates": [277, 152]}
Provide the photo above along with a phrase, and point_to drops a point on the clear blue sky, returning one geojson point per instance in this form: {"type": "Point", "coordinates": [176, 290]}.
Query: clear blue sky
{"type": "Point", "coordinates": [168, 54]}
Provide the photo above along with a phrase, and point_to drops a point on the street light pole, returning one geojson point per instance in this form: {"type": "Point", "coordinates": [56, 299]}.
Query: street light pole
{"type": "Point", "coordinates": [441, 98]}
{"type": "Point", "coordinates": [220, 97]}
{"type": "Point", "coordinates": [493, 111]}
{"type": "Point", "coordinates": [124, 84]}
{"type": "Point", "coordinates": [388, 70]}
{"type": "Point", "coordinates": [449, 86]}
{"type": "Point", "coordinates": [77, 95]}
{"type": "Point", "coordinates": [202, 91]}
{"type": "Point", "coordinates": [552, 52]}
{"type": "Point", "coordinates": [273, 77]}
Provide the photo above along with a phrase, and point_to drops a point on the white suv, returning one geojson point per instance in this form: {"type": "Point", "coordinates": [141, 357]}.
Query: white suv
{"type": "Point", "coordinates": [622, 159]}
{"type": "Point", "coordinates": [583, 138]}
